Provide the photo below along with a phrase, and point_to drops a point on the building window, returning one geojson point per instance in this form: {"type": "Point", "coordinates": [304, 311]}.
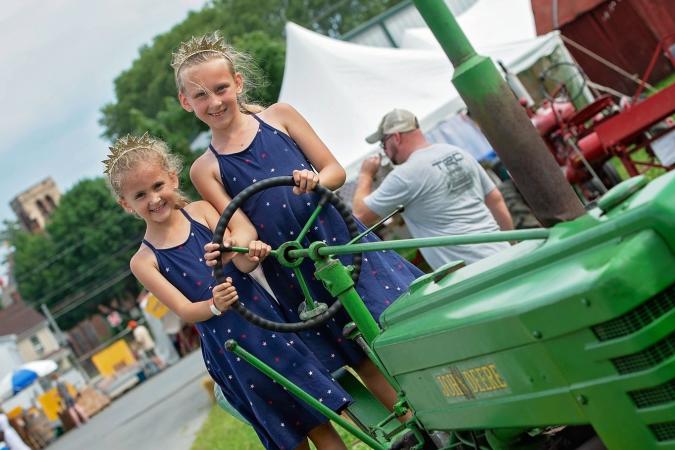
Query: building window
{"type": "Point", "coordinates": [50, 203]}
{"type": "Point", "coordinates": [37, 345]}
{"type": "Point", "coordinates": [42, 208]}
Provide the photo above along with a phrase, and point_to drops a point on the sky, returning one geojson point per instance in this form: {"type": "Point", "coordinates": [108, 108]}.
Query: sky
{"type": "Point", "coordinates": [59, 59]}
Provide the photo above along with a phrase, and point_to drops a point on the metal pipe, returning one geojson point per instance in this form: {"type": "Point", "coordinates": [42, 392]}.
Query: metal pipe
{"type": "Point", "coordinates": [402, 244]}
{"type": "Point", "coordinates": [398, 209]}
{"type": "Point", "coordinates": [572, 143]}
{"type": "Point", "coordinates": [234, 347]}
{"type": "Point", "coordinates": [503, 121]}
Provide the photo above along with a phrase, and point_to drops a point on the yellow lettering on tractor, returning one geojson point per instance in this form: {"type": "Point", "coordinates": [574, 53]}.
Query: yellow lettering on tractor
{"type": "Point", "coordinates": [499, 381]}
{"type": "Point", "coordinates": [449, 385]}
{"type": "Point", "coordinates": [467, 383]}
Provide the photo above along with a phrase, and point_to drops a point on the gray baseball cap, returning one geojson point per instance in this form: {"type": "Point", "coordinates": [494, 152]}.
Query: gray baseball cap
{"type": "Point", "coordinates": [395, 121]}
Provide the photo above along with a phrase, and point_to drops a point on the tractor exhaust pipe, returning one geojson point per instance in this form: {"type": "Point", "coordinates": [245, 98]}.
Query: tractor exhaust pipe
{"type": "Point", "coordinates": [503, 121]}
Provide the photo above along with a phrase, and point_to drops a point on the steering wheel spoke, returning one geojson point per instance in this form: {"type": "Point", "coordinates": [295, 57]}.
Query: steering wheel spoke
{"type": "Point", "coordinates": [312, 218]}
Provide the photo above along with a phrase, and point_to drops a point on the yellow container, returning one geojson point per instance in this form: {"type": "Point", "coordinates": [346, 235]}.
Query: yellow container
{"type": "Point", "coordinates": [113, 358]}
{"type": "Point", "coordinates": [154, 307]}
{"type": "Point", "coordinates": [51, 401]}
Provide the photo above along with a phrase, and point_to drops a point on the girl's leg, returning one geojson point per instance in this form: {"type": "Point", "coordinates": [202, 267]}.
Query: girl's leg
{"type": "Point", "coordinates": [74, 416]}
{"type": "Point", "coordinates": [379, 386]}
{"type": "Point", "coordinates": [325, 437]}
{"type": "Point", "coordinates": [80, 411]}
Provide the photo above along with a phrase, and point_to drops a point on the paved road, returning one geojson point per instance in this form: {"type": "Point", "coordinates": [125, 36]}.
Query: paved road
{"type": "Point", "coordinates": [163, 413]}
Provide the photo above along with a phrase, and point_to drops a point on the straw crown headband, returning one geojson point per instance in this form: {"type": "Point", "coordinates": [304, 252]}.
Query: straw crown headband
{"type": "Point", "coordinates": [207, 43]}
{"type": "Point", "coordinates": [125, 145]}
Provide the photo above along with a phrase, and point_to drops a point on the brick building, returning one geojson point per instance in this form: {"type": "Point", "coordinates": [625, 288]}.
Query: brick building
{"type": "Point", "coordinates": [34, 205]}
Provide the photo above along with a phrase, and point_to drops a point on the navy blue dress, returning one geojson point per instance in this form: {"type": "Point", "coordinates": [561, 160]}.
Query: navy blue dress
{"type": "Point", "coordinates": [280, 419]}
{"type": "Point", "coordinates": [279, 215]}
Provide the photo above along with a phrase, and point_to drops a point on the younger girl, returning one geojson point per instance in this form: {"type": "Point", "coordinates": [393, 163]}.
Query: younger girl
{"type": "Point", "coordinates": [143, 175]}
{"type": "Point", "coordinates": [246, 148]}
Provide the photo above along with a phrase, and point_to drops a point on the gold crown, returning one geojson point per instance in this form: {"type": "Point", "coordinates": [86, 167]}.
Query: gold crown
{"type": "Point", "coordinates": [213, 42]}
{"type": "Point", "coordinates": [125, 145]}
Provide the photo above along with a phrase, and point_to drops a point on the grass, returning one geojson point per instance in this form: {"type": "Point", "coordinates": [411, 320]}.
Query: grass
{"type": "Point", "coordinates": [221, 431]}
{"type": "Point", "coordinates": [665, 82]}
{"type": "Point", "coordinates": [640, 155]}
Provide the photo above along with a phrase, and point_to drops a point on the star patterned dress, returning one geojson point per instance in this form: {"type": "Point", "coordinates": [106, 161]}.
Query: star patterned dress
{"type": "Point", "coordinates": [279, 215]}
{"type": "Point", "coordinates": [281, 420]}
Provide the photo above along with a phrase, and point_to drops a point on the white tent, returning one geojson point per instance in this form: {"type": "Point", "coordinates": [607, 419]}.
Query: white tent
{"type": "Point", "coordinates": [344, 89]}
{"type": "Point", "coordinates": [488, 23]}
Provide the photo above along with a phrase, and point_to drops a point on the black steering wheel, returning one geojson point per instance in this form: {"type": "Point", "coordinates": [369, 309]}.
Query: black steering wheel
{"type": "Point", "coordinates": [326, 195]}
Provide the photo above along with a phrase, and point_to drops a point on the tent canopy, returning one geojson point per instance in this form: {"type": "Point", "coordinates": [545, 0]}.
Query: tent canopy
{"type": "Point", "coordinates": [488, 23]}
{"type": "Point", "coordinates": [344, 89]}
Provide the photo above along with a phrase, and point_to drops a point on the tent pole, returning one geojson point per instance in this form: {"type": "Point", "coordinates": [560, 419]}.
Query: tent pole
{"type": "Point", "coordinates": [503, 121]}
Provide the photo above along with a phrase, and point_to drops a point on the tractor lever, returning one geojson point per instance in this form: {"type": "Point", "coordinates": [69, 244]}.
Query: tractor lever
{"type": "Point", "coordinates": [399, 208]}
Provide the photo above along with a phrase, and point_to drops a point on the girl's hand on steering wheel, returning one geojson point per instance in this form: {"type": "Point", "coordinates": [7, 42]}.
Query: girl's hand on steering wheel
{"type": "Point", "coordinates": [213, 253]}
{"type": "Point", "coordinates": [213, 250]}
{"type": "Point", "coordinates": [305, 181]}
{"type": "Point", "coordinates": [224, 295]}
{"type": "Point", "coordinates": [257, 251]}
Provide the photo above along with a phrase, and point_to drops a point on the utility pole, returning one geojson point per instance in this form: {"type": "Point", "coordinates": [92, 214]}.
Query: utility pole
{"type": "Point", "coordinates": [62, 340]}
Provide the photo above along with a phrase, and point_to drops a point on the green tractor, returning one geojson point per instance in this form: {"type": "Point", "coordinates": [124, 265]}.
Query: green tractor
{"type": "Point", "coordinates": [564, 341]}
{"type": "Point", "coordinates": [566, 337]}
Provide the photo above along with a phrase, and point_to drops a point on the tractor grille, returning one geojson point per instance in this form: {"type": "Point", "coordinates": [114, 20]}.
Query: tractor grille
{"type": "Point", "coordinates": [647, 358]}
{"type": "Point", "coordinates": [663, 431]}
{"type": "Point", "coordinates": [637, 318]}
{"type": "Point", "coordinates": [644, 398]}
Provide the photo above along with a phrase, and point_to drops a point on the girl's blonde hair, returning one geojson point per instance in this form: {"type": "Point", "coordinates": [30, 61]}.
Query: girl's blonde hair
{"type": "Point", "coordinates": [130, 151]}
{"type": "Point", "coordinates": [201, 49]}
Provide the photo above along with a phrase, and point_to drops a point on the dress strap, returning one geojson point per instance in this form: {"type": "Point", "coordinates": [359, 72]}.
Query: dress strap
{"type": "Point", "coordinates": [152, 247]}
{"type": "Point", "coordinates": [195, 222]}
{"type": "Point", "coordinates": [215, 152]}
{"type": "Point", "coordinates": [187, 216]}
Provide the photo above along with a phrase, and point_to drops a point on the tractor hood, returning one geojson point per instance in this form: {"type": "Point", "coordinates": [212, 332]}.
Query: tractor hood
{"type": "Point", "coordinates": [484, 307]}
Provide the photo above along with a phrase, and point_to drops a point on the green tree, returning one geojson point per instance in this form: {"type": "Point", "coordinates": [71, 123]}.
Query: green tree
{"type": "Point", "coordinates": [269, 55]}
{"type": "Point", "coordinates": [89, 240]}
{"type": "Point", "coordinates": [82, 258]}
{"type": "Point", "coordinates": [142, 90]}
{"type": "Point", "coordinates": [146, 92]}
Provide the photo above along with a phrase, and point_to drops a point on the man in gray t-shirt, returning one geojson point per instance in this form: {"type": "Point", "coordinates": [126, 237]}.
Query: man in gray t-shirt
{"type": "Point", "coordinates": [443, 188]}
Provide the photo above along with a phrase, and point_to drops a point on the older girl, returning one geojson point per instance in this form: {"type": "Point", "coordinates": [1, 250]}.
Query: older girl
{"type": "Point", "coordinates": [246, 148]}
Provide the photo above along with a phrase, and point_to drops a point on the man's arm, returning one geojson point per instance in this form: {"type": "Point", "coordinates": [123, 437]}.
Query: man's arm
{"type": "Point", "coordinates": [497, 206]}
{"type": "Point", "coordinates": [364, 187]}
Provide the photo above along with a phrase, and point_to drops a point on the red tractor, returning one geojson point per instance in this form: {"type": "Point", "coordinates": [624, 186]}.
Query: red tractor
{"type": "Point", "coordinates": [639, 132]}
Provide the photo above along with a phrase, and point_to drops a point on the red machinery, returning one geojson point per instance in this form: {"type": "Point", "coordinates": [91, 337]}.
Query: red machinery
{"type": "Point", "coordinates": [583, 141]}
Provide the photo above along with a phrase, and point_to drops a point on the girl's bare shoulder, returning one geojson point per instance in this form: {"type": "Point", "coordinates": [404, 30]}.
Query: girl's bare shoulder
{"type": "Point", "coordinates": [281, 116]}
{"type": "Point", "coordinates": [203, 212]}
{"type": "Point", "coordinates": [143, 258]}
{"type": "Point", "coordinates": [199, 208]}
{"type": "Point", "coordinates": [278, 110]}
{"type": "Point", "coordinates": [205, 165]}
{"type": "Point", "coordinates": [204, 161]}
